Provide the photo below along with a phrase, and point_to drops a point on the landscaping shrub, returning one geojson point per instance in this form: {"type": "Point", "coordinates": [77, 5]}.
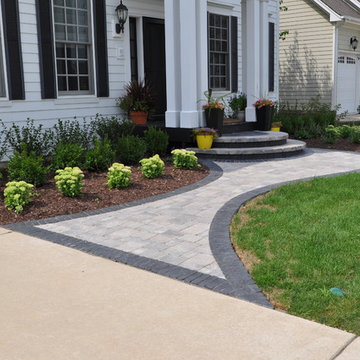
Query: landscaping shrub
{"type": "Point", "coordinates": [68, 181]}
{"type": "Point", "coordinates": [183, 159]}
{"type": "Point", "coordinates": [156, 141]}
{"type": "Point", "coordinates": [152, 167]}
{"type": "Point", "coordinates": [28, 167]}
{"type": "Point", "coordinates": [118, 176]}
{"type": "Point", "coordinates": [72, 132]}
{"type": "Point", "coordinates": [130, 149]}
{"type": "Point", "coordinates": [34, 137]}
{"type": "Point", "coordinates": [112, 128]}
{"type": "Point", "coordinates": [101, 157]}
{"type": "Point", "coordinates": [308, 121]}
{"type": "Point", "coordinates": [17, 194]}
{"type": "Point", "coordinates": [354, 135]}
{"type": "Point", "coordinates": [67, 155]}
{"type": "Point", "coordinates": [333, 133]}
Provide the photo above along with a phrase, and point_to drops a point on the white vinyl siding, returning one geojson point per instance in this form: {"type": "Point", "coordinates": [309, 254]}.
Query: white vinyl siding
{"type": "Point", "coordinates": [306, 56]}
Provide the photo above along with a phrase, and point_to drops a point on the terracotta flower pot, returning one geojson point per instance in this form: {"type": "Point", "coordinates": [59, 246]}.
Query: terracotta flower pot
{"type": "Point", "coordinates": [139, 117]}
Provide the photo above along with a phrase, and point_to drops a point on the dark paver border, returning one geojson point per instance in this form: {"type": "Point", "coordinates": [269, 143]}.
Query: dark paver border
{"type": "Point", "coordinates": [238, 277]}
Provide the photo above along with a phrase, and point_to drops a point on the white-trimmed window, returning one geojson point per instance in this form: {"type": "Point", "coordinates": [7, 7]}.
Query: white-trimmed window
{"type": "Point", "coordinates": [219, 51]}
{"type": "Point", "coordinates": [73, 47]}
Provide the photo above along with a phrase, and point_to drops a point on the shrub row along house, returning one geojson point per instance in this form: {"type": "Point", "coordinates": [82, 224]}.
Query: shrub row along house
{"type": "Point", "coordinates": [320, 55]}
{"type": "Point", "coordinates": [65, 58]}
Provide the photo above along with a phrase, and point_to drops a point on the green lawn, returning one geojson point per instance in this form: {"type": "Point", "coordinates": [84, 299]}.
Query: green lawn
{"type": "Point", "coordinates": [300, 241]}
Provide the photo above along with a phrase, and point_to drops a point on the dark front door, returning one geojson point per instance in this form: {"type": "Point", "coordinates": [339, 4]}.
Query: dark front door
{"type": "Point", "coordinates": [154, 62]}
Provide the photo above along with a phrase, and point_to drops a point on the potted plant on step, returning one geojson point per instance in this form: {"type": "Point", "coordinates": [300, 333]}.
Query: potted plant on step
{"type": "Point", "coordinates": [138, 101]}
{"type": "Point", "coordinates": [214, 111]}
{"type": "Point", "coordinates": [238, 105]}
{"type": "Point", "coordinates": [204, 137]}
{"type": "Point", "coordinates": [276, 126]}
{"type": "Point", "coordinates": [264, 114]}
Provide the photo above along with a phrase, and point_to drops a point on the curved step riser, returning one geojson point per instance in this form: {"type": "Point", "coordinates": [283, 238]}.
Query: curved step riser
{"type": "Point", "coordinates": [250, 156]}
{"type": "Point", "coordinates": [240, 145]}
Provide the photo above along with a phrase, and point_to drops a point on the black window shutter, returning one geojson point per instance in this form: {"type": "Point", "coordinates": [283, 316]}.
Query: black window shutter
{"type": "Point", "coordinates": [271, 56]}
{"type": "Point", "coordinates": [234, 54]}
{"type": "Point", "coordinates": [10, 12]}
{"type": "Point", "coordinates": [46, 49]}
{"type": "Point", "coordinates": [101, 61]}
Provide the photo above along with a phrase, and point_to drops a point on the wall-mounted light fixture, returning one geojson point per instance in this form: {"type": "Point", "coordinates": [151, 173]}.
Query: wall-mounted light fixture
{"type": "Point", "coordinates": [354, 42]}
{"type": "Point", "coordinates": [122, 14]}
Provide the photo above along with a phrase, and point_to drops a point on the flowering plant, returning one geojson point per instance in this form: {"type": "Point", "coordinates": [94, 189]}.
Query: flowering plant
{"type": "Point", "coordinates": [213, 103]}
{"type": "Point", "coordinates": [205, 131]}
{"type": "Point", "coordinates": [263, 102]}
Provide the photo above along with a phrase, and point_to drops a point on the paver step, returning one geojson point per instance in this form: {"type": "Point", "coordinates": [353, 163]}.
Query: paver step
{"type": "Point", "coordinates": [248, 139]}
{"type": "Point", "coordinates": [292, 147]}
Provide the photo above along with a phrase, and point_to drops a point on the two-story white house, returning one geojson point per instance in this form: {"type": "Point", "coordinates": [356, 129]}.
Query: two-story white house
{"type": "Point", "coordinates": [64, 58]}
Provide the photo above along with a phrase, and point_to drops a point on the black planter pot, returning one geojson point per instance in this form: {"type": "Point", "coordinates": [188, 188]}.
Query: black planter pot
{"type": "Point", "coordinates": [215, 119]}
{"type": "Point", "coordinates": [264, 117]}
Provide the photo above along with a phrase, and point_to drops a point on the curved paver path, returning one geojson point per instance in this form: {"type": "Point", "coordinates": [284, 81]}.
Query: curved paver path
{"type": "Point", "coordinates": [174, 230]}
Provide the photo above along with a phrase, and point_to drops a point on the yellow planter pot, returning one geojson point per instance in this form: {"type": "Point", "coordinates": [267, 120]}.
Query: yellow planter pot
{"type": "Point", "coordinates": [275, 129]}
{"type": "Point", "coordinates": [204, 141]}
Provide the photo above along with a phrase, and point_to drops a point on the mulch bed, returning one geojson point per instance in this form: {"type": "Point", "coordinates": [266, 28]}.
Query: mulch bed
{"type": "Point", "coordinates": [341, 144]}
{"type": "Point", "coordinates": [96, 194]}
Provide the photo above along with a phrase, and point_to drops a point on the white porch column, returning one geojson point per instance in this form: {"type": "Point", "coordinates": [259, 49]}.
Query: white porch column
{"type": "Point", "coordinates": [172, 39]}
{"type": "Point", "coordinates": [189, 108]}
{"type": "Point", "coordinates": [202, 56]}
{"type": "Point", "coordinates": [264, 48]}
{"type": "Point", "coordinates": [186, 61]}
{"type": "Point", "coordinates": [253, 56]}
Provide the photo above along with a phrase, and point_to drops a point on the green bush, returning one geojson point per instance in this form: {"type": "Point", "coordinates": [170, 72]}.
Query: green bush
{"type": "Point", "coordinates": [118, 176]}
{"type": "Point", "coordinates": [112, 128]}
{"type": "Point", "coordinates": [156, 141]}
{"type": "Point", "coordinates": [101, 157]}
{"type": "Point", "coordinates": [130, 149]}
{"type": "Point", "coordinates": [67, 155]}
{"type": "Point", "coordinates": [68, 181]}
{"type": "Point", "coordinates": [183, 159]}
{"type": "Point", "coordinates": [308, 121]}
{"type": "Point", "coordinates": [152, 167]}
{"type": "Point", "coordinates": [332, 133]}
{"type": "Point", "coordinates": [17, 194]}
{"type": "Point", "coordinates": [355, 135]}
{"type": "Point", "coordinates": [34, 137]}
{"type": "Point", "coordinates": [28, 167]}
{"type": "Point", "coordinates": [72, 132]}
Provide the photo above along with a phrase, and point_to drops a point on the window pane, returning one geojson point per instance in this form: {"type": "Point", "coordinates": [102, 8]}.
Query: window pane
{"type": "Point", "coordinates": [59, 15]}
{"type": "Point", "coordinates": [60, 50]}
{"type": "Point", "coordinates": [71, 3]}
{"type": "Point", "coordinates": [71, 33]}
{"type": "Point", "coordinates": [70, 16]}
{"type": "Point", "coordinates": [84, 83]}
{"type": "Point", "coordinates": [71, 51]}
{"type": "Point", "coordinates": [61, 66]}
{"type": "Point", "coordinates": [83, 34]}
{"type": "Point", "coordinates": [59, 2]}
{"type": "Point", "coordinates": [83, 67]}
{"type": "Point", "coordinates": [73, 83]}
{"type": "Point", "coordinates": [72, 67]}
{"type": "Point", "coordinates": [62, 83]}
{"type": "Point", "coordinates": [82, 4]}
{"type": "Point", "coordinates": [82, 52]}
{"type": "Point", "coordinates": [82, 18]}
{"type": "Point", "coordinates": [59, 32]}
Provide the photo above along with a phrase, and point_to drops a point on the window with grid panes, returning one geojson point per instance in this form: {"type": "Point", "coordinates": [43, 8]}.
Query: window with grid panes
{"type": "Point", "coordinates": [219, 52]}
{"type": "Point", "coordinates": [73, 46]}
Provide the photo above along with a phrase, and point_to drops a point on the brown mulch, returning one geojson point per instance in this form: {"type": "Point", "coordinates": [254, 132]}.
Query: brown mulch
{"type": "Point", "coordinates": [341, 144]}
{"type": "Point", "coordinates": [96, 194]}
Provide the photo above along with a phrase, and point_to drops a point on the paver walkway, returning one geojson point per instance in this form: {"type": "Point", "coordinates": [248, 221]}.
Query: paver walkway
{"type": "Point", "coordinates": [175, 229]}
